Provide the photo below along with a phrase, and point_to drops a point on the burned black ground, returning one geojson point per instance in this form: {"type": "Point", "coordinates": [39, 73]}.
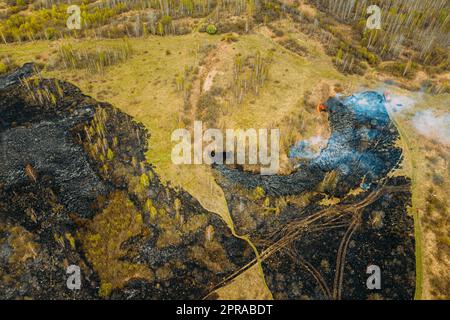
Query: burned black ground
{"type": "Point", "coordinates": [53, 186]}
{"type": "Point", "coordinates": [319, 228]}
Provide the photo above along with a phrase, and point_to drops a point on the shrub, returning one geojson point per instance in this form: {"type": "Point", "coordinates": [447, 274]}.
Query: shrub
{"type": "Point", "coordinates": [6, 64]}
{"type": "Point", "coordinates": [294, 46]}
{"type": "Point", "coordinates": [401, 69]}
{"type": "Point", "coordinates": [258, 193]}
{"type": "Point", "coordinates": [211, 29]}
{"type": "Point", "coordinates": [3, 68]}
{"type": "Point", "coordinates": [230, 37]}
{"type": "Point", "coordinates": [278, 32]}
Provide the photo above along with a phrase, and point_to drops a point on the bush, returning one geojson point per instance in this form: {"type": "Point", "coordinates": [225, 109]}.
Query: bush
{"type": "Point", "coordinates": [294, 46]}
{"type": "Point", "coordinates": [279, 33]}
{"type": "Point", "coordinates": [208, 107]}
{"type": "Point", "coordinates": [51, 33]}
{"type": "Point", "coordinates": [236, 25]}
{"type": "Point", "coordinates": [211, 29]}
{"type": "Point", "coordinates": [401, 69]}
{"type": "Point", "coordinates": [230, 37]}
{"type": "Point", "coordinates": [6, 64]}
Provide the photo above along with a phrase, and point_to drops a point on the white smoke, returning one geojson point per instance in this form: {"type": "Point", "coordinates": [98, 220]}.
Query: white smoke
{"type": "Point", "coordinates": [399, 103]}
{"type": "Point", "coordinates": [432, 126]}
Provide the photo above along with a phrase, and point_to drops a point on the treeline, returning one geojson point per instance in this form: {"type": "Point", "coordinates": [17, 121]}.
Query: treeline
{"type": "Point", "coordinates": [93, 60]}
{"type": "Point", "coordinates": [416, 30]}
{"type": "Point", "coordinates": [110, 18]}
{"type": "Point", "coordinates": [133, 18]}
{"type": "Point", "coordinates": [50, 23]}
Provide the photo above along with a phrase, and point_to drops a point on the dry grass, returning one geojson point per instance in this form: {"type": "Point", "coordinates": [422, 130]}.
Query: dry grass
{"type": "Point", "coordinates": [426, 159]}
{"type": "Point", "coordinates": [238, 289]}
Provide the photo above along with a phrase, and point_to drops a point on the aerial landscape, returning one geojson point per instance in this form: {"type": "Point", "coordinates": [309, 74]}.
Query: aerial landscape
{"type": "Point", "coordinates": [225, 149]}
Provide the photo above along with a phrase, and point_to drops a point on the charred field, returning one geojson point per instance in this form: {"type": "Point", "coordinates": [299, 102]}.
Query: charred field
{"type": "Point", "coordinates": [319, 228]}
{"type": "Point", "coordinates": [76, 189]}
